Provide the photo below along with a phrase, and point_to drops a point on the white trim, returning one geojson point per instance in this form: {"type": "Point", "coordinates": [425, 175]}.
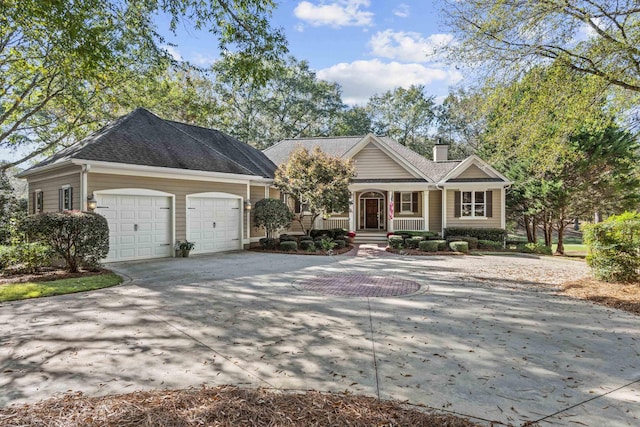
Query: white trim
{"type": "Point", "coordinates": [246, 216]}
{"type": "Point", "coordinates": [484, 166]}
{"type": "Point", "coordinates": [371, 138]}
{"type": "Point", "coordinates": [473, 186]}
{"type": "Point", "coordinates": [217, 195]}
{"type": "Point", "coordinates": [63, 186]}
{"type": "Point", "coordinates": [425, 209]}
{"type": "Point", "coordinates": [392, 186]}
{"type": "Point", "coordinates": [473, 204]}
{"type": "Point", "coordinates": [169, 173]}
{"type": "Point", "coordinates": [444, 210]}
{"type": "Point", "coordinates": [83, 187]}
{"type": "Point", "coordinates": [402, 211]}
{"type": "Point", "coordinates": [45, 168]}
{"type": "Point", "coordinates": [49, 177]}
{"type": "Point", "coordinates": [146, 192]}
{"type": "Point", "coordinates": [134, 192]}
{"type": "Point", "coordinates": [503, 208]}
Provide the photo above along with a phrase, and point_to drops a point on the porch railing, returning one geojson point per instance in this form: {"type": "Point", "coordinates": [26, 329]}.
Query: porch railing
{"type": "Point", "coordinates": [326, 224]}
{"type": "Point", "coordinates": [410, 224]}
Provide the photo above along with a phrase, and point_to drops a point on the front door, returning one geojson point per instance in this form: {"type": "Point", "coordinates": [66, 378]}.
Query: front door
{"type": "Point", "coordinates": [372, 212]}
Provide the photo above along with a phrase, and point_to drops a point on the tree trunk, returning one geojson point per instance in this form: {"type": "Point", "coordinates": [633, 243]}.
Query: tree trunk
{"type": "Point", "coordinates": [527, 227]}
{"type": "Point", "coordinates": [597, 217]}
{"type": "Point", "coordinates": [561, 226]}
{"type": "Point", "coordinates": [547, 228]}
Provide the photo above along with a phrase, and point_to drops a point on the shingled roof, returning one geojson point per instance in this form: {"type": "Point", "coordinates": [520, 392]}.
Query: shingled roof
{"type": "Point", "coordinates": [142, 138]}
{"type": "Point", "coordinates": [339, 146]}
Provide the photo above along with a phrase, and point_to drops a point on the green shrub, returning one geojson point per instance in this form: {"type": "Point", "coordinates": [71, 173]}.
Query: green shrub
{"type": "Point", "coordinates": [340, 243]}
{"type": "Point", "coordinates": [413, 242]}
{"type": "Point", "coordinates": [25, 257]}
{"type": "Point", "coordinates": [287, 238]}
{"type": "Point", "coordinates": [614, 248]}
{"type": "Point", "coordinates": [396, 242]}
{"type": "Point", "coordinates": [268, 242]}
{"type": "Point", "coordinates": [327, 244]}
{"type": "Point", "coordinates": [495, 234]}
{"type": "Point", "coordinates": [459, 246]}
{"type": "Point", "coordinates": [272, 215]}
{"type": "Point", "coordinates": [534, 248]}
{"type": "Point", "coordinates": [412, 233]}
{"type": "Point", "coordinates": [442, 245]}
{"type": "Point", "coordinates": [490, 244]}
{"type": "Point", "coordinates": [472, 241]}
{"type": "Point", "coordinates": [305, 245]}
{"type": "Point", "coordinates": [337, 233]}
{"type": "Point", "coordinates": [289, 246]}
{"type": "Point", "coordinates": [429, 246]}
{"type": "Point", "coordinates": [318, 234]}
{"type": "Point", "coordinates": [305, 238]}
{"type": "Point", "coordinates": [77, 237]}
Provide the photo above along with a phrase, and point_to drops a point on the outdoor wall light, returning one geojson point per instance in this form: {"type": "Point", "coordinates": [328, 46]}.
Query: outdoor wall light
{"type": "Point", "coordinates": [92, 203]}
{"type": "Point", "coordinates": [247, 205]}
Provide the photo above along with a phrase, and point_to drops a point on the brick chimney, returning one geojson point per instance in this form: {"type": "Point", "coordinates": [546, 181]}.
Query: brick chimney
{"type": "Point", "coordinates": [440, 151]}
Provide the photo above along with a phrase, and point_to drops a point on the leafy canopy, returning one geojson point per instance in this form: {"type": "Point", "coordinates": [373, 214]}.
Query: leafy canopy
{"type": "Point", "coordinates": [318, 181]}
{"type": "Point", "coordinates": [272, 214]}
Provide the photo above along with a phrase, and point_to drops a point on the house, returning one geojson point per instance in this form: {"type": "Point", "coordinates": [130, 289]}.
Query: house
{"type": "Point", "coordinates": [157, 182]}
{"type": "Point", "coordinates": [397, 189]}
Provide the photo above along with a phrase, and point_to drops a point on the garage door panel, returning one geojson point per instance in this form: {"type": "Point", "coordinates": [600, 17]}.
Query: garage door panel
{"type": "Point", "coordinates": [203, 213]}
{"type": "Point", "coordinates": [139, 226]}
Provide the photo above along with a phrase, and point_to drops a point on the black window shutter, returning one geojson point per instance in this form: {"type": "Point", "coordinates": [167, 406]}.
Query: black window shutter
{"type": "Point", "coordinates": [397, 201]}
{"type": "Point", "coordinates": [35, 202]}
{"type": "Point", "coordinates": [456, 204]}
{"type": "Point", "coordinates": [489, 204]}
{"type": "Point", "coordinates": [60, 199]}
{"type": "Point", "coordinates": [70, 198]}
{"type": "Point", "coordinates": [414, 202]}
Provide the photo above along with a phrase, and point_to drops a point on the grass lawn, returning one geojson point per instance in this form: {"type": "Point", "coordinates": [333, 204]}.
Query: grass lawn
{"type": "Point", "coordinates": [573, 249]}
{"type": "Point", "coordinates": [18, 291]}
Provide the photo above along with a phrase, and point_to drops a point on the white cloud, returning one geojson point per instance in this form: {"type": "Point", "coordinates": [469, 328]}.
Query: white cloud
{"type": "Point", "coordinates": [203, 60]}
{"type": "Point", "coordinates": [362, 79]}
{"type": "Point", "coordinates": [173, 51]}
{"type": "Point", "coordinates": [408, 46]}
{"type": "Point", "coordinates": [339, 13]}
{"type": "Point", "coordinates": [402, 11]}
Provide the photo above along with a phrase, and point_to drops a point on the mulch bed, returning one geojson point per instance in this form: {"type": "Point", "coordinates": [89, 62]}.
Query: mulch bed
{"type": "Point", "coordinates": [223, 406]}
{"type": "Point", "coordinates": [421, 253]}
{"type": "Point", "coordinates": [301, 252]}
{"type": "Point", "coordinates": [46, 275]}
{"type": "Point", "coordinates": [622, 296]}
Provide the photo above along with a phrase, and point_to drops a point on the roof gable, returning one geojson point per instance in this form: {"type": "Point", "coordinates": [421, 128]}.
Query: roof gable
{"type": "Point", "coordinates": [474, 169]}
{"type": "Point", "coordinates": [142, 138]}
{"type": "Point", "coordinates": [374, 160]}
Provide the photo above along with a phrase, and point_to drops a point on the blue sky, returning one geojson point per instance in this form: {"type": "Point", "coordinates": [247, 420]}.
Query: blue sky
{"type": "Point", "coordinates": [367, 46]}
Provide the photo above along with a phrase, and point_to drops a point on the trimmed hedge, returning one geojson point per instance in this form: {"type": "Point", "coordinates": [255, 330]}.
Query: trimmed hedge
{"type": "Point", "coordinates": [490, 244]}
{"type": "Point", "coordinates": [429, 246]}
{"type": "Point", "coordinates": [459, 246]}
{"type": "Point", "coordinates": [25, 257]}
{"type": "Point", "coordinates": [411, 233]}
{"type": "Point", "coordinates": [268, 242]}
{"type": "Point", "coordinates": [305, 245]}
{"type": "Point", "coordinates": [413, 242]}
{"type": "Point", "coordinates": [534, 248]}
{"type": "Point", "coordinates": [289, 246]}
{"type": "Point", "coordinates": [495, 234]}
{"type": "Point", "coordinates": [472, 241]}
{"type": "Point", "coordinates": [287, 238]}
{"type": "Point", "coordinates": [340, 244]}
{"type": "Point", "coordinates": [333, 233]}
{"type": "Point", "coordinates": [396, 242]}
{"type": "Point", "coordinates": [442, 245]}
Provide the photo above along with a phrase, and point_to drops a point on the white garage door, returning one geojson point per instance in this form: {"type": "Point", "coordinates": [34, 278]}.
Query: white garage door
{"type": "Point", "coordinates": [214, 224]}
{"type": "Point", "coordinates": [139, 226]}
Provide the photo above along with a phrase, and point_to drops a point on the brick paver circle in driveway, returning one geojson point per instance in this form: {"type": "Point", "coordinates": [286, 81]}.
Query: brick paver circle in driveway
{"type": "Point", "coordinates": [359, 285]}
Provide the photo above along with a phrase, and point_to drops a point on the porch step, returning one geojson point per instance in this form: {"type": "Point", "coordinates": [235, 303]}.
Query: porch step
{"type": "Point", "coordinates": [364, 237]}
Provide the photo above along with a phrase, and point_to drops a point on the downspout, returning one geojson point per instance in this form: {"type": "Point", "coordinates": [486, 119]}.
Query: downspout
{"type": "Point", "coordinates": [83, 186]}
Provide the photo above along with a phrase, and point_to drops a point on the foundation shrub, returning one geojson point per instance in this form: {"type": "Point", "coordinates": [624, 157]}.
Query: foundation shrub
{"type": "Point", "coordinates": [413, 242]}
{"type": "Point", "coordinates": [459, 246]}
{"type": "Point", "coordinates": [396, 242]}
{"type": "Point", "coordinates": [429, 246]}
{"type": "Point", "coordinates": [490, 245]}
{"type": "Point", "coordinates": [495, 234]}
{"type": "Point", "coordinates": [289, 246]}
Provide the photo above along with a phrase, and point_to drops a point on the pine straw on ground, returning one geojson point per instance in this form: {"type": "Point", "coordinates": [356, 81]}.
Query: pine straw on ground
{"type": "Point", "coordinates": [222, 406]}
{"type": "Point", "coordinates": [46, 275]}
{"type": "Point", "coordinates": [622, 296]}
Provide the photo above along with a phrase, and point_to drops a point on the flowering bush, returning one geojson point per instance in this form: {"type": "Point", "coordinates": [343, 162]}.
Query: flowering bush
{"type": "Point", "coordinates": [351, 234]}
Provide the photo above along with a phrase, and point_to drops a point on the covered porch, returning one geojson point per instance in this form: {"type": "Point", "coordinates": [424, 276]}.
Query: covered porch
{"type": "Point", "coordinates": [380, 209]}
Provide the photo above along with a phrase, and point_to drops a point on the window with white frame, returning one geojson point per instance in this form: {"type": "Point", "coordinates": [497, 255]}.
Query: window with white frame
{"type": "Point", "coordinates": [65, 198]}
{"type": "Point", "coordinates": [472, 204]}
{"type": "Point", "coordinates": [406, 202]}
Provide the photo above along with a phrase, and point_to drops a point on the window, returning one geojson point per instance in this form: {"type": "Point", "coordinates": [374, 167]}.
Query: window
{"type": "Point", "coordinates": [472, 204]}
{"type": "Point", "coordinates": [406, 202]}
{"type": "Point", "coordinates": [38, 206]}
{"type": "Point", "coordinates": [65, 198]}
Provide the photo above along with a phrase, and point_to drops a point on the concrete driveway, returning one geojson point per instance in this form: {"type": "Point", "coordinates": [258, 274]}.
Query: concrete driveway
{"type": "Point", "coordinates": [483, 336]}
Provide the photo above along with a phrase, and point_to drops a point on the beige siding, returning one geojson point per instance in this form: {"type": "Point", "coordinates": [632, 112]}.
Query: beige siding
{"type": "Point", "coordinates": [180, 188]}
{"type": "Point", "coordinates": [435, 210]}
{"type": "Point", "coordinates": [373, 163]}
{"type": "Point", "coordinates": [493, 222]}
{"type": "Point", "coordinates": [398, 206]}
{"type": "Point", "coordinates": [257, 194]}
{"type": "Point", "coordinates": [274, 193]}
{"type": "Point", "coordinates": [50, 183]}
{"type": "Point", "coordinates": [473, 171]}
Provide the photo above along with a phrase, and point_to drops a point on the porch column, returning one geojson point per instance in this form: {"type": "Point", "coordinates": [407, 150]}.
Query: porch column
{"type": "Point", "coordinates": [444, 210]}
{"type": "Point", "coordinates": [352, 212]}
{"type": "Point", "coordinates": [503, 213]}
{"type": "Point", "coordinates": [390, 220]}
{"type": "Point", "coordinates": [425, 209]}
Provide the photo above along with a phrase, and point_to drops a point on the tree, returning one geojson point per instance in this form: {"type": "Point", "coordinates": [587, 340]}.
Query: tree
{"type": "Point", "coordinates": [292, 104]}
{"type": "Point", "coordinates": [593, 37]}
{"type": "Point", "coordinates": [272, 214]}
{"type": "Point", "coordinates": [64, 63]}
{"type": "Point", "coordinates": [318, 181]}
{"type": "Point", "coordinates": [404, 114]}
{"type": "Point", "coordinates": [460, 122]}
{"type": "Point", "coordinates": [354, 121]}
